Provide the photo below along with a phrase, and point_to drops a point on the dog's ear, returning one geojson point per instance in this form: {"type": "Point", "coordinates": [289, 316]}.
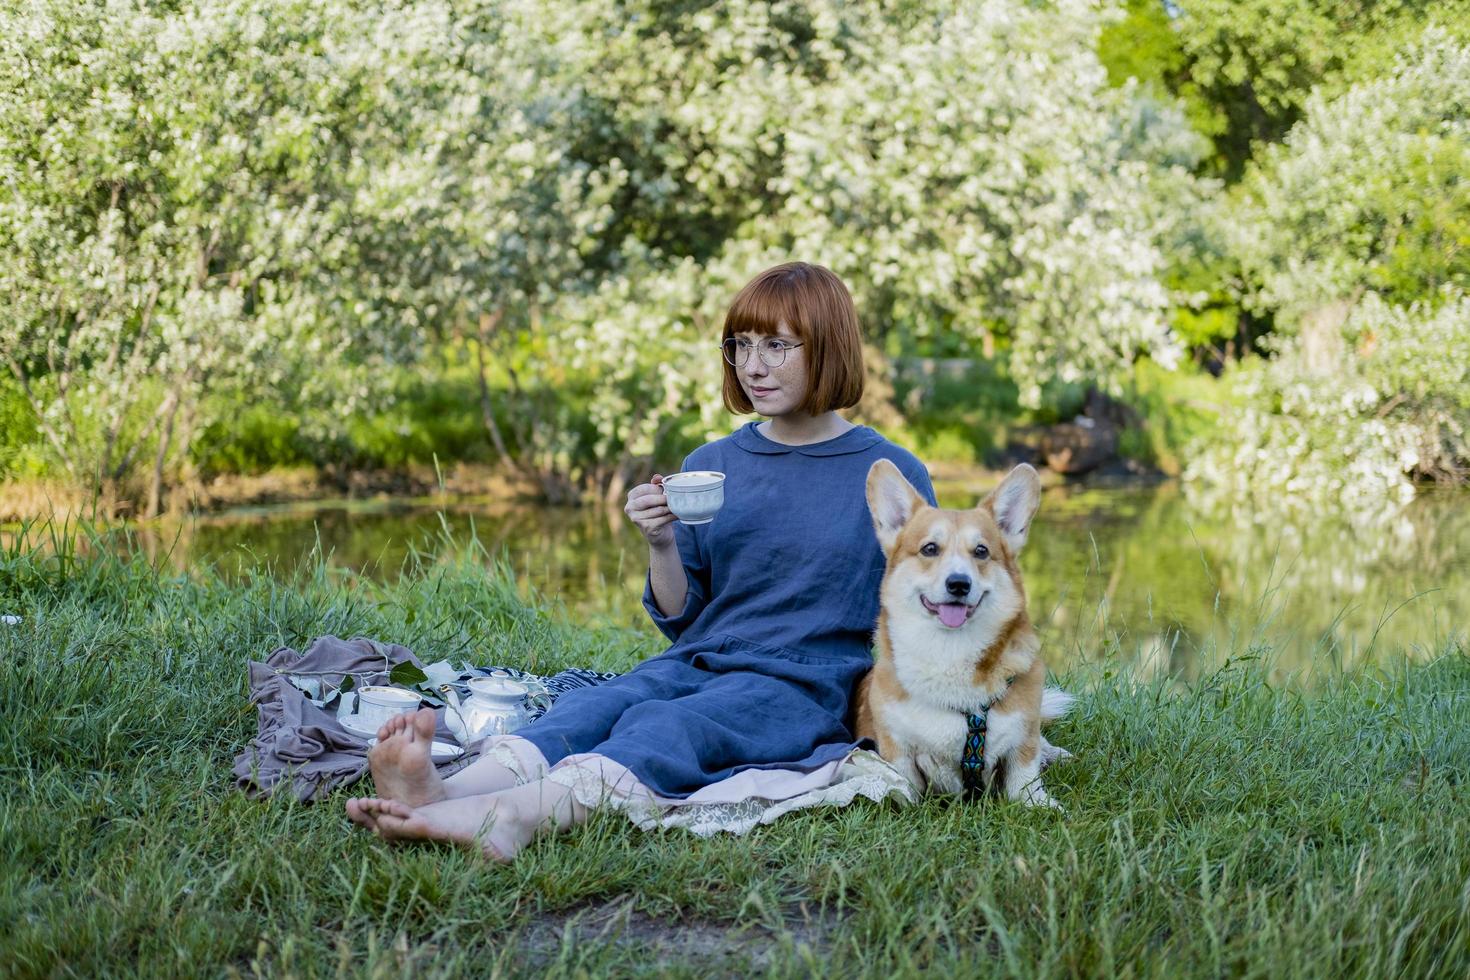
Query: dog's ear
{"type": "Point", "coordinates": [1013, 504]}
{"type": "Point", "coordinates": [892, 500]}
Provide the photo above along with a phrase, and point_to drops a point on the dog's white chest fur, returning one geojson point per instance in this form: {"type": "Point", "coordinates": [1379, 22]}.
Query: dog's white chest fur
{"type": "Point", "coordinates": [938, 668]}
{"type": "Point", "coordinates": [925, 728]}
{"type": "Point", "coordinates": [937, 671]}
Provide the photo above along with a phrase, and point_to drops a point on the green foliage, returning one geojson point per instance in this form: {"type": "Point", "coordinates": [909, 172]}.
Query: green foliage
{"type": "Point", "coordinates": [182, 202]}
{"type": "Point", "coordinates": [1208, 326]}
{"type": "Point", "coordinates": [1204, 277]}
{"type": "Point", "coordinates": [1425, 207]}
{"type": "Point", "coordinates": [19, 433]}
{"type": "Point", "coordinates": [1356, 424]}
{"type": "Point", "coordinates": [273, 203]}
{"type": "Point", "coordinates": [426, 415]}
{"type": "Point", "coordinates": [423, 414]}
{"type": "Point", "coordinates": [1179, 410]}
{"type": "Point", "coordinates": [960, 411]}
{"type": "Point", "coordinates": [956, 411]}
{"type": "Point", "coordinates": [951, 443]}
{"type": "Point", "coordinates": [1143, 43]}
{"type": "Point", "coordinates": [1243, 69]}
{"type": "Point", "coordinates": [254, 439]}
{"type": "Point", "coordinates": [1368, 185]}
{"type": "Point", "coordinates": [228, 233]}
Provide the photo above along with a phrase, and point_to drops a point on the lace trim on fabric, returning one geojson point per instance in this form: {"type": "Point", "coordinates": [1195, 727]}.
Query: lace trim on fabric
{"type": "Point", "coordinates": [594, 786]}
{"type": "Point", "coordinates": [517, 754]}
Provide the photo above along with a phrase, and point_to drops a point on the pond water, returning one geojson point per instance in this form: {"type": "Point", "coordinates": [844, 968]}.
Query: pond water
{"type": "Point", "coordinates": [1137, 573]}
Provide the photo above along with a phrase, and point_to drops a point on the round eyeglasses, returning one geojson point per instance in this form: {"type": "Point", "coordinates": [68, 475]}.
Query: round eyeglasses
{"type": "Point", "coordinates": [772, 350]}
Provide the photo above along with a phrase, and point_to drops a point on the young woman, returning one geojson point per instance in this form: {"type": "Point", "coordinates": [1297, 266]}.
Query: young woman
{"type": "Point", "coordinates": [770, 609]}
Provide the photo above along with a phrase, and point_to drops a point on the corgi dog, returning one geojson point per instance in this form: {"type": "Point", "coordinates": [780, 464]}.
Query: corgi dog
{"type": "Point", "coordinates": [957, 665]}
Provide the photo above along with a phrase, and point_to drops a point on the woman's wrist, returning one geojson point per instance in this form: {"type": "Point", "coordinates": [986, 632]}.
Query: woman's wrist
{"type": "Point", "coordinates": [666, 577]}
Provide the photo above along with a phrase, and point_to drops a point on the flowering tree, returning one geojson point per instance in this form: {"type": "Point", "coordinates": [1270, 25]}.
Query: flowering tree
{"type": "Point", "coordinates": [968, 172]}
{"type": "Point", "coordinates": [497, 203]}
{"type": "Point", "coordinates": [176, 215]}
{"type": "Point", "coordinates": [280, 199]}
{"type": "Point", "coordinates": [1353, 233]}
{"type": "Point", "coordinates": [965, 167]}
{"type": "Point", "coordinates": [976, 177]}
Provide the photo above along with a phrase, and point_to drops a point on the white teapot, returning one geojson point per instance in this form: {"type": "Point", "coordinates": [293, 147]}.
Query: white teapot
{"type": "Point", "coordinates": [495, 707]}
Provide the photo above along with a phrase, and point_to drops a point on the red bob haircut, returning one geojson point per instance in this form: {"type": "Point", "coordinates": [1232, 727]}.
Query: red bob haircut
{"type": "Point", "coordinates": [815, 304]}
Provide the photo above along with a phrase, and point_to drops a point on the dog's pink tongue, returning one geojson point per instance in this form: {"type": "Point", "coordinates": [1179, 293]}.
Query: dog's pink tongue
{"type": "Point", "coordinates": [952, 614]}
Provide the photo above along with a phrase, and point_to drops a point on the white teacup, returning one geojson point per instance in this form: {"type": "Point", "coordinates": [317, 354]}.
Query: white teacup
{"type": "Point", "coordinates": [695, 496]}
{"type": "Point", "coordinates": [376, 704]}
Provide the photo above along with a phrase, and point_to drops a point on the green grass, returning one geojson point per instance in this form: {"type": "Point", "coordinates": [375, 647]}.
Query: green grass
{"type": "Point", "coordinates": [1225, 827]}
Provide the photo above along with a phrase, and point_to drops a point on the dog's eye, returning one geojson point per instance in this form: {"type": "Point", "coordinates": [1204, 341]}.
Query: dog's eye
{"type": "Point", "coordinates": [929, 550]}
{"type": "Point", "coordinates": [982, 552]}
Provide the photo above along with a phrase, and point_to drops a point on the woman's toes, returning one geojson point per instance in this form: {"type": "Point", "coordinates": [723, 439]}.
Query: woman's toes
{"type": "Point", "coordinates": [394, 808]}
{"type": "Point", "coordinates": [397, 820]}
{"type": "Point", "coordinates": [390, 728]}
{"type": "Point", "coordinates": [358, 814]}
{"type": "Point", "coordinates": [493, 853]}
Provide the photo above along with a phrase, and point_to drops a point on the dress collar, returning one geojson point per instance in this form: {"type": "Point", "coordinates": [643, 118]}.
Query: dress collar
{"type": "Point", "coordinates": [854, 440]}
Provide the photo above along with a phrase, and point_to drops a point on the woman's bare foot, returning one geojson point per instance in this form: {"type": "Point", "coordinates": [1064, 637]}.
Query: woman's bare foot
{"type": "Point", "coordinates": [402, 764]}
{"type": "Point", "coordinates": [493, 823]}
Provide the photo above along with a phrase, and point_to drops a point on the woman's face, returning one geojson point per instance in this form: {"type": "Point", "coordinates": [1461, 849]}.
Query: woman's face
{"type": "Point", "coordinates": [774, 391]}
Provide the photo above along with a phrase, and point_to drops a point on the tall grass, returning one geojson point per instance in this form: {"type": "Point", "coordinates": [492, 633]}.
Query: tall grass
{"type": "Point", "coordinates": [1224, 827]}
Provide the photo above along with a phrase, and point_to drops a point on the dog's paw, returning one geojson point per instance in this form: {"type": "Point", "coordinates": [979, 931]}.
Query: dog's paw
{"type": "Point", "coordinates": [941, 776]}
{"type": "Point", "coordinates": [1050, 753]}
{"type": "Point", "coordinates": [1034, 796]}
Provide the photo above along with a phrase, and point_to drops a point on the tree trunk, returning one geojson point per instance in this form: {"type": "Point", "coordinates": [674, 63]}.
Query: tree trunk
{"type": "Point", "coordinates": [1321, 338]}
{"type": "Point", "coordinates": [555, 486]}
{"type": "Point", "coordinates": [133, 371]}
{"type": "Point", "coordinates": [159, 415]}
{"type": "Point", "coordinates": [188, 424]}
{"type": "Point", "coordinates": [155, 486]}
{"type": "Point", "coordinates": [616, 486]}
{"type": "Point", "coordinates": [488, 322]}
{"type": "Point", "coordinates": [71, 463]}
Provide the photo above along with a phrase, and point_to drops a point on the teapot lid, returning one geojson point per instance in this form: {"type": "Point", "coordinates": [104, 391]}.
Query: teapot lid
{"type": "Point", "coordinates": [498, 684]}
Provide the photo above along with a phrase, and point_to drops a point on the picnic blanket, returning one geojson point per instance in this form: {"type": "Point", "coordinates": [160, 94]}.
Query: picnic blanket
{"type": "Point", "coordinates": [302, 748]}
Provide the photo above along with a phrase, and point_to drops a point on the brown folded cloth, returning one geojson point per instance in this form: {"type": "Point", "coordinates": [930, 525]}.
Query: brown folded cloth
{"type": "Point", "coordinates": [300, 745]}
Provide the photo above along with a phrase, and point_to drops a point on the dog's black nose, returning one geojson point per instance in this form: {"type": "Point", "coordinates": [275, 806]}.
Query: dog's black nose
{"type": "Point", "coordinates": [958, 585]}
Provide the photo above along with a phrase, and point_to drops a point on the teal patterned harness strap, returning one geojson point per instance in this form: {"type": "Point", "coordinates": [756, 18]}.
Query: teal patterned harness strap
{"type": "Point", "coordinates": [972, 758]}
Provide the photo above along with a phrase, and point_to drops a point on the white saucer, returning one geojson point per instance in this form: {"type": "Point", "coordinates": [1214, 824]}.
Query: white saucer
{"type": "Point", "coordinates": [441, 750]}
{"type": "Point", "coordinates": [357, 727]}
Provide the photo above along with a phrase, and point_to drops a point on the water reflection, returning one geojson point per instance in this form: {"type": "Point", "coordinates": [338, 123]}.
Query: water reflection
{"type": "Point", "coordinates": [1151, 577]}
{"type": "Point", "coordinates": [1135, 573]}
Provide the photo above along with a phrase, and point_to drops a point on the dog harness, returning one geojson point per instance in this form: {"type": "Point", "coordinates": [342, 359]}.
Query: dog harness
{"type": "Point", "coordinates": [972, 757]}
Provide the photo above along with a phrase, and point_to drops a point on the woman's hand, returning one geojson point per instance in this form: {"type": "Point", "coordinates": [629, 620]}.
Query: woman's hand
{"type": "Point", "coordinates": [648, 508]}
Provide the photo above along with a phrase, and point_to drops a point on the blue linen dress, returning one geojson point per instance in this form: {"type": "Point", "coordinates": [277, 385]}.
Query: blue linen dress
{"type": "Point", "coordinates": [774, 635]}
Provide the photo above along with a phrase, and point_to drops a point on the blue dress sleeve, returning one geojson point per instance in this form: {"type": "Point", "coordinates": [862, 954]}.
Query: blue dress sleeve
{"type": "Point", "coordinates": [918, 474]}
{"type": "Point", "coordinates": [696, 573]}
